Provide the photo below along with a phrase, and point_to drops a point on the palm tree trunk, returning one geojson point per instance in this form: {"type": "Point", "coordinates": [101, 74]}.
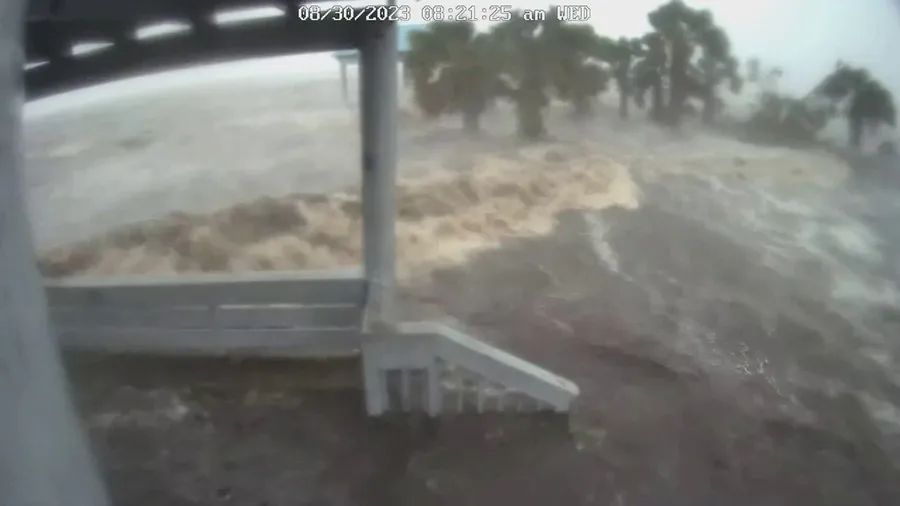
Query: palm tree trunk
{"type": "Point", "coordinates": [677, 82]}
{"type": "Point", "coordinates": [657, 107]}
{"type": "Point", "coordinates": [531, 122]}
{"type": "Point", "coordinates": [427, 97]}
{"type": "Point", "coordinates": [856, 131]}
{"type": "Point", "coordinates": [528, 113]}
{"type": "Point", "coordinates": [471, 121]}
{"type": "Point", "coordinates": [709, 89]}
{"type": "Point", "coordinates": [530, 101]}
{"type": "Point", "coordinates": [624, 92]}
{"type": "Point", "coordinates": [581, 107]}
{"type": "Point", "coordinates": [623, 105]}
{"type": "Point", "coordinates": [709, 104]}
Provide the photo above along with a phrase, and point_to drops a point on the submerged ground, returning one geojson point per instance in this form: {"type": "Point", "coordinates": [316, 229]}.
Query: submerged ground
{"type": "Point", "coordinates": [727, 309]}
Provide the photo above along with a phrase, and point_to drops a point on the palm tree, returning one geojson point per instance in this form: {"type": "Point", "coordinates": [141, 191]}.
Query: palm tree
{"type": "Point", "coordinates": [716, 63]}
{"type": "Point", "coordinates": [452, 72]}
{"type": "Point", "coordinates": [870, 103]}
{"type": "Point", "coordinates": [524, 59]}
{"type": "Point", "coordinates": [669, 23]}
{"type": "Point", "coordinates": [620, 55]}
{"type": "Point", "coordinates": [573, 72]}
{"type": "Point", "coordinates": [648, 74]}
{"type": "Point", "coordinates": [420, 64]}
{"type": "Point", "coordinates": [713, 73]}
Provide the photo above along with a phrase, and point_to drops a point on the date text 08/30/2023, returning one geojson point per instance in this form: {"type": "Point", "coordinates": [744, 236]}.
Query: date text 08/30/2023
{"type": "Point", "coordinates": [495, 13]}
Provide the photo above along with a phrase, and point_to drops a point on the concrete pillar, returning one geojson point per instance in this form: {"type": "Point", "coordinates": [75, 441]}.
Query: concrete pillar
{"type": "Point", "coordinates": [44, 458]}
{"type": "Point", "coordinates": [378, 109]}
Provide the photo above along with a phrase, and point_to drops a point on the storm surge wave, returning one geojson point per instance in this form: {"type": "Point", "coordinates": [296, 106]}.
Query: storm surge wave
{"type": "Point", "coordinates": [442, 218]}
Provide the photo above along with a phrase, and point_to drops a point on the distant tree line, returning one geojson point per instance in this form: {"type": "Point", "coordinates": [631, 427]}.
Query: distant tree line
{"type": "Point", "coordinates": [686, 57]}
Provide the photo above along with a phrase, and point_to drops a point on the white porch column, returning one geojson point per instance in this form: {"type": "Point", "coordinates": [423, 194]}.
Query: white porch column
{"type": "Point", "coordinates": [44, 459]}
{"type": "Point", "coordinates": [378, 110]}
{"type": "Point", "coordinates": [344, 90]}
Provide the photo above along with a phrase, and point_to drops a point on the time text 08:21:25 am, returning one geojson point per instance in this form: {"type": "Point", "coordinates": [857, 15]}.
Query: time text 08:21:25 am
{"type": "Point", "coordinates": [498, 13]}
{"type": "Point", "coordinates": [491, 13]}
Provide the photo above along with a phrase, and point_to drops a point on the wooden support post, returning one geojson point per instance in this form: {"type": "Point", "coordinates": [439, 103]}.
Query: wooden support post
{"type": "Point", "coordinates": [44, 458]}
{"type": "Point", "coordinates": [378, 108]}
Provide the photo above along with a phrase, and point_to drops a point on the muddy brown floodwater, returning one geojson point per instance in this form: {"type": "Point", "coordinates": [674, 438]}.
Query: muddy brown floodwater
{"type": "Point", "coordinates": [649, 429]}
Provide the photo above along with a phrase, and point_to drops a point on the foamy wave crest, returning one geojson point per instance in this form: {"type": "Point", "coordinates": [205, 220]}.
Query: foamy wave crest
{"type": "Point", "coordinates": [443, 218]}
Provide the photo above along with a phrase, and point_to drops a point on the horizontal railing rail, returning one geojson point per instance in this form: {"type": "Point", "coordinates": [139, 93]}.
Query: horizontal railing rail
{"type": "Point", "coordinates": [343, 286]}
{"type": "Point", "coordinates": [307, 313]}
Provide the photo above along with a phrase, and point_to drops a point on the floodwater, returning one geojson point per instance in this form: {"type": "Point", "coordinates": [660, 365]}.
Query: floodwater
{"type": "Point", "coordinates": [727, 309]}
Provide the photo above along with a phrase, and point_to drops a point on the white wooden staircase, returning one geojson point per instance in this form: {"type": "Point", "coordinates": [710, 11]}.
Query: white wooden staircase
{"type": "Point", "coordinates": [436, 369]}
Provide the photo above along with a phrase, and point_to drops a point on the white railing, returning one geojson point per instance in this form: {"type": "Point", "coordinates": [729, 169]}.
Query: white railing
{"type": "Point", "coordinates": [308, 314]}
